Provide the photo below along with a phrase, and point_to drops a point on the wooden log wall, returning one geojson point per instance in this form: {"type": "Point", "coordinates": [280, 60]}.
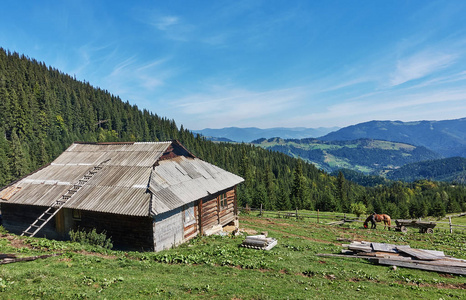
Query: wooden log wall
{"type": "Point", "coordinates": [212, 214]}
{"type": "Point", "coordinates": [209, 216]}
{"type": "Point", "coordinates": [228, 214]}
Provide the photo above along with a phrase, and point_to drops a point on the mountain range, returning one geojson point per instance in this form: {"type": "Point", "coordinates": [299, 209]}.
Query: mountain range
{"type": "Point", "coordinates": [364, 155]}
{"type": "Point", "coordinates": [249, 134]}
{"type": "Point", "coordinates": [448, 137]}
{"type": "Point", "coordinates": [375, 147]}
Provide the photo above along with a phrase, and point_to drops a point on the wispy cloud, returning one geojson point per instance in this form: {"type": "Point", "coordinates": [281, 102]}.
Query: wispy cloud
{"type": "Point", "coordinates": [165, 22]}
{"type": "Point", "coordinates": [173, 27]}
{"type": "Point", "coordinates": [226, 105]}
{"type": "Point", "coordinates": [420, 65]}
{"type": "Point", "coordinates": [138, 80]}
{"type": "Point", "coordinates": [394, 105]}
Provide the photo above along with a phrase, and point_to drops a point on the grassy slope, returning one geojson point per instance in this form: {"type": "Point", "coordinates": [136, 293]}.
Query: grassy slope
{"type": "Point", "coordinates": [214, 267]}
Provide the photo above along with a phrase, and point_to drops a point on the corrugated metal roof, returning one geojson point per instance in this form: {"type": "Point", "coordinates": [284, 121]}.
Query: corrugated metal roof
{"type": "Point", "coordinates": [121, 186]}
{"type": "Point", "coordinates": [186, 180]}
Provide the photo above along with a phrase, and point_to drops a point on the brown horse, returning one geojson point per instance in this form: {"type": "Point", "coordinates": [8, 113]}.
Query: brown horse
{"type": "Point", "coordinates": [387, 221]}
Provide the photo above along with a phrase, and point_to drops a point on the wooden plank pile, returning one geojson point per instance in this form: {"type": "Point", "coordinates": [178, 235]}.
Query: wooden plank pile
{"type": "Point", "coordinates": [6, 258]}
{"type": "Point", "coordinates": [259, 242]}
{"type": "Point", "coordinates": [405, 256]}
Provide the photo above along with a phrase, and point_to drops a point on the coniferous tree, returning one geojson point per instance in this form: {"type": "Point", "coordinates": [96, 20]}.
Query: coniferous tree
{"type": "Point", "coordinates": [4, 162]}
{"type": "Point", "coordinates": [18, 160]}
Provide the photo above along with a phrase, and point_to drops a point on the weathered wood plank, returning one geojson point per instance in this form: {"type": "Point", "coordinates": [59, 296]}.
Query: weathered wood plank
{"type": "Point", "coordinates": [386, 247]}
{"type": "Point", "coordinates": [421, 266]}
{"type": "Point", "coordinates": [9, 260]}
{"type": "Point", "coordinates": [419, 254]}
{"type": "Point", "coordinates": [227, 219]}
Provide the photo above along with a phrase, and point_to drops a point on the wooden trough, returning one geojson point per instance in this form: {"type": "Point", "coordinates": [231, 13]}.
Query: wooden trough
{"type": "Point", "coordinates": [424, 227]}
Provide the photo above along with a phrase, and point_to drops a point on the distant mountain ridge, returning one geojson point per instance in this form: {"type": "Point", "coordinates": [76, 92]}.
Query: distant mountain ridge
{"type": "Point", "coordinates": [447, 137]}
{"type": "Point", "coordinates": [365, 155]}
{"type": "Point", "coordinates": [250, 134]}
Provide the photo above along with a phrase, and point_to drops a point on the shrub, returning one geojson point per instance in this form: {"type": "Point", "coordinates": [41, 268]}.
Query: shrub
{"type": "Point", "coordinates": [91, 238]}
{"type": "Point", "coordinates": [358, 209]}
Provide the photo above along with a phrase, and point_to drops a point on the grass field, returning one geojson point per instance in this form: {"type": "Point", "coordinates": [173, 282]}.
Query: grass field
{"type": "Point", "coordinates": [215, 267]}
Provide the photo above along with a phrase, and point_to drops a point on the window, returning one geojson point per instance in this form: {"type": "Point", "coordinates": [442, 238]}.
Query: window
{"type": "Point", "coordinates": [189, 217]}
{"type": "Point", "coordinates": [223, 201]}
{"type": "Point", "coordinates": [76, 214]}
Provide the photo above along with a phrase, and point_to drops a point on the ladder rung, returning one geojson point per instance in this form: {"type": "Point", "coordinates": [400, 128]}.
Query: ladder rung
{"type": "Point", "coordinates": [27, 232]}
{"type": "Point", "coordinates": [43, 220]}
{"type": "Point", "coordinates": [34, 226]}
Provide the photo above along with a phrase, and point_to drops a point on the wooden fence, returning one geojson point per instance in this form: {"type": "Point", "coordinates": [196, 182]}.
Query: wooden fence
{"type": "Point", "coordinates": [295, 214]}
{"type": "Point", "coordinates": [331, 218]}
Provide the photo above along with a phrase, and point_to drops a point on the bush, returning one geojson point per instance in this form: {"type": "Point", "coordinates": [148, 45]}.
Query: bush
{"type": "Point", "coordinates": [358, 209]}
{"type": "Point", "coordinates": [91, 238]}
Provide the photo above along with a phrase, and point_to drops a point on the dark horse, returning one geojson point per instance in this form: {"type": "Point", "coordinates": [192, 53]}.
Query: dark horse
{"type": "Point", "coordinates": [378, 218]}
{"type": "Point", "coordinates": [371, 219]}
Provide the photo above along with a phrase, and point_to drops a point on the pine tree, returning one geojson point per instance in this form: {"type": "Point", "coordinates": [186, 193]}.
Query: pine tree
{"type": "Point", "coordinates": [4, 162]}
{"type": "Point", "coordinates": [18, 160]}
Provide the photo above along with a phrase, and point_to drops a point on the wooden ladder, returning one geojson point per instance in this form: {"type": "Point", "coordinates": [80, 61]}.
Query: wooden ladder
{"type": "Point", "coordinates": [53, 209]}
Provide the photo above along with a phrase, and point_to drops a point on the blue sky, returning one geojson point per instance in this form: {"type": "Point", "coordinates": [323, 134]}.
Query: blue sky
{"type": "Point", "coordinates": [256, 63]}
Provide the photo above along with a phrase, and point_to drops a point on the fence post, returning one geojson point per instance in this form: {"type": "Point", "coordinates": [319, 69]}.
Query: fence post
{"type": "Point", "coordinates": [296, 213]}
{"type": "Point", "coordinates": [261, 209]}
{"type": "Point", "coordinates": [451, 227]}
{"type": "Point", "coordinates": [317, 216]}
{"type": "Point", "coordinates": [344, 218]}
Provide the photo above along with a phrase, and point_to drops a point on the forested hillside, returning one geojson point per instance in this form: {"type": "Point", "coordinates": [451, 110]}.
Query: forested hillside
{"type": "Point", "coordinates": [364, 155]}
{"type": "Point", "coordinates": [42, 111]}
{"type": "Point", "coordinates": [451, 169]}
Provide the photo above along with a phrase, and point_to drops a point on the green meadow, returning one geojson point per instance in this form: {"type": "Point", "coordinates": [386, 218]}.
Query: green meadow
{"type": "Point", "coordinates": [216, 267]}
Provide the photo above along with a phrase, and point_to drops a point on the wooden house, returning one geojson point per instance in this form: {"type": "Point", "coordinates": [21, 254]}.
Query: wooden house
{"type": "Point", "coordinates": [146, 196]}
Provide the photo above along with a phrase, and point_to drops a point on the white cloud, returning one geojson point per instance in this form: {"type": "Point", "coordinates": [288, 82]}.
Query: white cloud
{"type": "Point", "coordinates": [394, 105]}
{"type": "Point", "coordinates": [227, 106]}
{"type": "Point", "coordinates": [165, 22]}
{"type": "Point", "coordinates": [420, 65]}
{"type": "Point", "coordinates": [132, 79]}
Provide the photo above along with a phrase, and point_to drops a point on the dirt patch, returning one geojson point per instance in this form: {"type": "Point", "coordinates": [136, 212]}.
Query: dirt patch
{"type": "Point", "coordinates": [16, 242]}
{"type": "Point", "coordinates": [248, 231]}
